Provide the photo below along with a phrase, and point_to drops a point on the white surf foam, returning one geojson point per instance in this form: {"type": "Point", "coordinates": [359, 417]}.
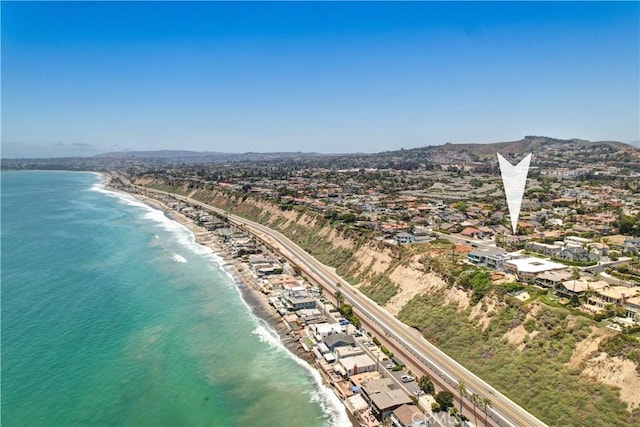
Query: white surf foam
{"type": "Point", "coordinates": [182, 234]}
{"type": "Point", "coordinates": [179, 258]}
{"type": "Point", "coordinates": [323, 395]}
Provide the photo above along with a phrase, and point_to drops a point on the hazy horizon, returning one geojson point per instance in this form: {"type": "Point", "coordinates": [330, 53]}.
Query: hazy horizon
{"type": "Point", "coordinates": [84, 78]}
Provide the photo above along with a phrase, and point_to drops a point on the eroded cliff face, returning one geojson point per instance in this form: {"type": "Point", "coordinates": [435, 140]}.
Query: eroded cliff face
{"type": "Point", "coordinates": [396, 278]}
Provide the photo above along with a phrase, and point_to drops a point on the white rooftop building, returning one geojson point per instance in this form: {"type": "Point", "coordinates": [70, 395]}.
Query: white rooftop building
{"type": "Point", "coordinates": [528, 268]}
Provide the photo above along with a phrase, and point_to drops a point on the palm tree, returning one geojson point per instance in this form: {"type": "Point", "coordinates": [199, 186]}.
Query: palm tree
{"type": "Point", "coordinates": [462, 389]}
{"type": "Point", "coordinates": [339, 298]}
{"type": "Point", "coordinates": [575, 273]}
{"type": "Point", "coordinates": [486, 403]}
{"type": "Point", "coordinates": [475, 399]}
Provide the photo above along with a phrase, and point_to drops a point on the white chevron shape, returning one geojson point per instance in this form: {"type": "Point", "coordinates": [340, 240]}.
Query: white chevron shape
{"type": "Point", "coordinates": [514, 179]}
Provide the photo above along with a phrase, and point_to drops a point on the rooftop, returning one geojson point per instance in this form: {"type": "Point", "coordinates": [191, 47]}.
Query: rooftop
{"type": "Point", "coordinates": [486, 252]}
{"type": "Point", "coordinates": [360, 360]}
{"type": "Point", "coordinates": [583, 285]}
{"type": "Point", "coordinates": [619, 292]}
{"type": "Point", "coordinates": [534, 265]}
{"type": "Point", "coordinates": [409, 414]}
{"type": "Point", "coordinates": [556, 276]}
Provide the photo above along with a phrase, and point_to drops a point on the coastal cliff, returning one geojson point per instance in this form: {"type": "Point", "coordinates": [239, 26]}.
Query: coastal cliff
{"type": "Point", "coordinates": [558, 365]}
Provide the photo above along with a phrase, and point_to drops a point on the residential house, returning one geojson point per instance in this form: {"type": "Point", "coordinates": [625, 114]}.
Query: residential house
{"type": "Point", "coordinates": [404, 238]}
{"type": "Point", "coordinates": [632, 309]}
{"type": "Point", "coordinates": [553, 279]}
{"type": "Point", "coordinates": [409, 416]}
{"type": "Point", "coordinates": [615, 295]}
{"type": "Point", "coordinates": [632, 244]}
{"type": "Point", "coordinates": [493, 258]}
{"type": "Point", "coordinates": [600, 249]}
{"type": "Point", "coordinates": [571, 288]}
{"type": "Point", "coordinates": [384, 396]}
{"type": "Point", "coordinates": [321, 330]}
{"type": "Point", "coordinates": [472, 232]}
{"type": "Point", "coordinates": [526, 269]}
{"type": "Point", "coordinates": [543, 248]}
{"type": "Point", "coordinates": [354, 365]}
{"type": "Point", "coordinates": [342, 352]}
{"type": "Point", "coordinates": [335, 340]}
{"type": "Point", "coordinates": [577, 254]}
{"type": "Point", "coordinates": [299, 300]}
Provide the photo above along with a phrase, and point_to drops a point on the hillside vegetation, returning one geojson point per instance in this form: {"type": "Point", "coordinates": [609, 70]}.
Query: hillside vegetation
{"type": "Point", "coordinates": [546, 359]}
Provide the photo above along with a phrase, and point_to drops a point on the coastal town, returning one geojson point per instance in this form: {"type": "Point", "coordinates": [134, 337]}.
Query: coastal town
{"type": "Point", "coordinates": [425, 236]}
{"type": "Point", "coordinates": [374, 385]}
{"type": "Point", "coordinates": [576, 248]}
{"type": "Point", "coordinates": [578, 235]}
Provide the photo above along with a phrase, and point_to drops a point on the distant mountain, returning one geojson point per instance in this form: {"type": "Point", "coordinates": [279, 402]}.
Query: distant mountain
{"type": "Point", "coordinates": [528, 144]}
{"type": "Point", "coordinates": [203, 156]}
{"type": "Point", "coordinates": [161, 154]}
{"type": "Point", "coordinates": [546, 152]}
{"type": "Point", "coordinates": [545, 149]}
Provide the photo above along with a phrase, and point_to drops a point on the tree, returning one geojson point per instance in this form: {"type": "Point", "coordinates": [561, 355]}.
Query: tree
{"type": "Point", "coordinates": [485, 402]}
{"type": "Point", "coordinates": [626, 224]}
{"type": "Point", "coordinates": [349, 217]}
{"type": "Point", "coordinates": [575, 273]}
{"type": "Point", "coordinates": [614, 255]}
{"type": "Point", "coordinates": [444, 399]}
{"type": "Point", "coordinates": [426, 384]}
{"type": "Point", "coordinates": [475, 399]}
{"type": "Point", "coordinates": [461, 206]}
{"type": "Point", "coordinates": [339, 298]}
{"type": "Point", "coordinates": [462, 390]}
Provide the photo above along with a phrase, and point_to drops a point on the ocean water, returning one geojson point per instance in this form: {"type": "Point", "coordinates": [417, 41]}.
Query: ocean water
{"type": "Point", "coordinates": [113, 315]}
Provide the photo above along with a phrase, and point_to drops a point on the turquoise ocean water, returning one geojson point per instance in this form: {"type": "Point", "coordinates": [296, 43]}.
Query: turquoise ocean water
{"type": "Point", "coordinates": [113, 315]}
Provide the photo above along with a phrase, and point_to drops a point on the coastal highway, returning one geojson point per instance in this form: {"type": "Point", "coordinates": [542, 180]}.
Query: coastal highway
{"type": "Point", "coordinates": [503, 411]}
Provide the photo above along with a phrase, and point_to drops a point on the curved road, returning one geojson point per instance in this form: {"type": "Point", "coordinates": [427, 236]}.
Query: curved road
{"type": "Point", "coordinates": [503, 411]}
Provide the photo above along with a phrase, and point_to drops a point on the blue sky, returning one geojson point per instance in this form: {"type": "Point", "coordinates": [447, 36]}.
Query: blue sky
{"type": "Point", "coordinates": [80, 78]}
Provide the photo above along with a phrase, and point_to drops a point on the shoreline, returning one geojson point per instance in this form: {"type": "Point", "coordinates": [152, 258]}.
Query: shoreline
{"type": "Point", "coordinates": [256, 301]}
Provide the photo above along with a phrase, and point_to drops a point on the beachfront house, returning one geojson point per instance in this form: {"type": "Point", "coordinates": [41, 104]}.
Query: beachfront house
{"type": "Point", "coordinates": [335, 340]}
{"type": "Point", "coordinates": [299, 300]}
{"type": "Point", "coordinates": [409, 416]}
{"type": "Point", "coordinates": [354, 365]}
{"type": "Point", "coordinates": [384, 396]}
{"type": "Point", "coordinates": [321, 330]}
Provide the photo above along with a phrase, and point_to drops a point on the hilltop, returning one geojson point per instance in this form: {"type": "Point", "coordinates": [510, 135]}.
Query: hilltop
{"type": "Point", "coordinates": [548, 152]}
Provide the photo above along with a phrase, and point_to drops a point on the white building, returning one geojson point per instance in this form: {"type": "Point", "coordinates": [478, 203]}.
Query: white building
{"type": "Point", "coordinates": [321, 330]}
{"type": "Point", "coordinates": [355, 365]}
{"type": "Point", "coordinates": [528, 268]}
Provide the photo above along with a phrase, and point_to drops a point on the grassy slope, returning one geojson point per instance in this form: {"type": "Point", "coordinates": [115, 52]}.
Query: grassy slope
{"type": "Point", "coordinates": [536, 377]}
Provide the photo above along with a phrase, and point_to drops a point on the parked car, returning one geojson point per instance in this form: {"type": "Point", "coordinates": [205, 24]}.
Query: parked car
{"type": "Point", "coordinates": [418, 392]}
{"type": "Point", "coordinates": [407, 378]}
{"type": "Point", "coordinates": [389, 365]}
